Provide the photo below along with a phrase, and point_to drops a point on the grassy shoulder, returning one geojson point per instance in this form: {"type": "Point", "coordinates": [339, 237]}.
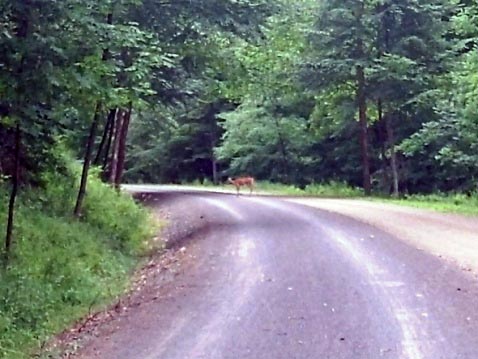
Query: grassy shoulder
{"type": "Point", "coordinates": [449, 203]}
{"type": "Point", "coordinates": [442, 202]}
{"type": "Point", "coordinates": [62, 268]}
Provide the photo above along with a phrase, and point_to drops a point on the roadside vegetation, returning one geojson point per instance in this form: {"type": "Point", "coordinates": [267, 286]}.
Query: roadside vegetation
{"type": "Point", "coordinates": [462, 203]}
{"type": "Point", "coordinates": [61, 268]}
{"type": "Point", "coordinates": [443, 202]}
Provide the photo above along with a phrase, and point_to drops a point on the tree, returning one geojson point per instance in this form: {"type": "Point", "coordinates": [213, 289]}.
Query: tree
{"type": "Point", "coordinates": [342, 52]}
{"type": "Point", "coordinates": [30, 56]}
{"type": "Point", "coordinates": [264, 144]}
{"type": "Point", "coordinates": [411, 53]}
{"type": "Point", "coordinates": [449, 139]}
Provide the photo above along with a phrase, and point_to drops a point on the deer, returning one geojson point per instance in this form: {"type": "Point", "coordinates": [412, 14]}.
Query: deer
{"type": "Point", "coordinates": [242, 181]}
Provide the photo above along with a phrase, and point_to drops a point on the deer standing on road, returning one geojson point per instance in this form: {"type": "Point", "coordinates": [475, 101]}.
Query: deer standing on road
{"type": "Point", "coordinates": [242, 181]}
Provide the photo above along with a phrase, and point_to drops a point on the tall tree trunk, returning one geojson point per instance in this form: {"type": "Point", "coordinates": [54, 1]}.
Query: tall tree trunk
{"type": "Point", "coordinates": [106, 158]}
{"type": "Point", "coordinates": [393, 155]}
{"type": "Point", "coordinates": [122, 146]}
{"type": "Point", "coordinates": [91, 141]}
{"type": "Point", "coordinates": [86, 162]}
{"type": "Point", "coordinates": [362, 105]}
{"type": "Point", "coordinates": [104, 138]}
{"type": "Point", "coordinates": [114, 151]}
{"type": "Point", "coordinates": [23, 29]}
{"type": "Point", "coordinates": [13, 194]}
{"type": "Point", "coordinates": [283, 150]}
{"type": "Point", "coordinates": [214, 170]}
{"type": "Point", "coordinates": [382, 139]}
{"type": "Point", "coordinates": [213, 158]}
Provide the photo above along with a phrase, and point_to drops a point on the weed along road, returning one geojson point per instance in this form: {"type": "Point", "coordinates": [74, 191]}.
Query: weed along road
{"type": "Point", "coordinates": [259, 277]}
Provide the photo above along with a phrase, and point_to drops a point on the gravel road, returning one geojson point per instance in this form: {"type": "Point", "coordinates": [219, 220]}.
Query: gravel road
{"type": "Point", "coordinates": [260, 277]}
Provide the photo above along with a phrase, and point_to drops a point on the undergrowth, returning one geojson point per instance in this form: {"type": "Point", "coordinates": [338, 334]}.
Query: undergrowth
{"type": "Point", "coordinates": [62, 267]}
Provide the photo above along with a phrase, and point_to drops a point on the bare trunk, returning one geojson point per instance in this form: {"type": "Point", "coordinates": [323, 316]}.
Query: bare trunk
{"type": "Point", "coordinates": [213, 160]}
{"type": "Point", "coordinates": [114, 152]}
{"type": "Point", "coordinates": [23, 27]}
{"type": "Point", "coordinates": [283, 151]}
{"type": "Point", "coordinates": [90, 143]}
{"type": "Point", "coordinates": [104, 138]}
{"type": "Point", "coordinates": [13, 195]}
{"type": "Point", "coordinates": [214, 170]}
{"type": "Point", "coordinates": [106, 158]}
{"type": "Point", "coordinates": [87, 160]}
{"type": "Point", "coordinates": [122, 146]}
{"type": "Point", "coordinates": [382, 138]}
{"type": "Point", "coordinates": [362, 105]}
{"type": "Point", "coordinates": [393, 155]}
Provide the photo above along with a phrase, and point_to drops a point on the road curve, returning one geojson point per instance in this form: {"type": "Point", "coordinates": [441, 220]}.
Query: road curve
{"type": "Point", "coordinates": [271, 279]}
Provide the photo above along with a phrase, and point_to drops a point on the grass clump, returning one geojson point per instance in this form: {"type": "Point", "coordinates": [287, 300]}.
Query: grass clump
{"type": "Point", "coordinates": [61, 267]}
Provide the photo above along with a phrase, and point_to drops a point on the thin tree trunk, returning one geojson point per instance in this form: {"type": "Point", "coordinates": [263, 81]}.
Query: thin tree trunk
{"type": "Point", "coordinates": [214, 170]}
{"type": "Point", "coordinates": [283, 150]}
{"type": "Point", "coordinates": [122, 146]}
{"type": "Point", "coordinates": [91, 141]}
{"type": "Point", "coordinates": [104, 138]}
{"type": "Point", "coordinates": [114, 152]}
{"type": "Point", "coordinates": [13, 194]}
{"type": "Point", "coordinates": [23, 27]}
{"type": "Point", "coordinates": [86, 162]}
{"type": "Point", "coordinates": [213, 160]}
{"type": "Point", "coordinates": [362, 105]}
{"type": "Point", "coordinates": [106, 158]}
{"type": "Point", "coordinates": [382, 138]}
{"type": "Point", "coordinates": [393, 155]}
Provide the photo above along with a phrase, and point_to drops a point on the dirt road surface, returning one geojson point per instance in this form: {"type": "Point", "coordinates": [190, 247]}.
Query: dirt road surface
{"type": "Point", "coordinates": [262, 277]}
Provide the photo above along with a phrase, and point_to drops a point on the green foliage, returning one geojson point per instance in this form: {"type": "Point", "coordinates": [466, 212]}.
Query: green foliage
{"type": "Point", "coordinates": [126, 235]}
{"type": "Point", "coordinates": [333, 189]}
{"type": "Point", "coordinates": [265, 144]}
{"type": "Point", "coordinates": [443, 202]}
{"type": "Point", "coordinates": [61, 268]}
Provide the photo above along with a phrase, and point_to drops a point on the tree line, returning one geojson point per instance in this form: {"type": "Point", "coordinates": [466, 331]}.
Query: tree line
{"type": "Point", "coordinates": [376, 94]}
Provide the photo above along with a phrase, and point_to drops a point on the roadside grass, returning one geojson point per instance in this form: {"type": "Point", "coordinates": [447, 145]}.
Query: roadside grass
{"type": "Point", "coordinates": [442, 202]}
{"type": "Point", "coordinates": [62, 268]}
{"type": "Point", "coordinates": [459, 203]}
{"type": "Point", "coordinates": [331, 189]}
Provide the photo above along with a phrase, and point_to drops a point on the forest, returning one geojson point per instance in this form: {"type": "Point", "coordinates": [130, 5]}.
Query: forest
{"type": "Point", "coordinates": [376, 94]}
